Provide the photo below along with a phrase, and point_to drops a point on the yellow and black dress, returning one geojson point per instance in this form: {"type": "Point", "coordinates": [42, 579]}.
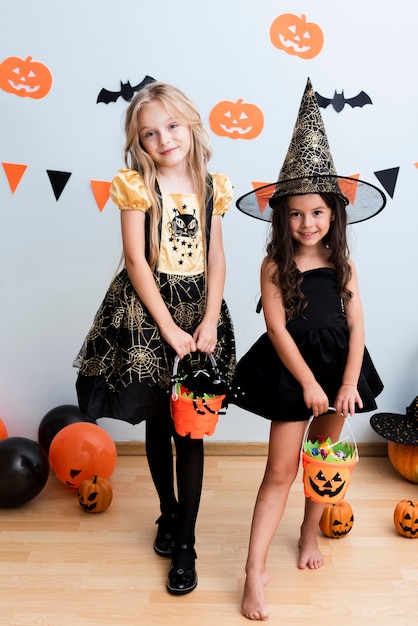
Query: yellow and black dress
{"type": "Point", "coordinates": [125, 366]}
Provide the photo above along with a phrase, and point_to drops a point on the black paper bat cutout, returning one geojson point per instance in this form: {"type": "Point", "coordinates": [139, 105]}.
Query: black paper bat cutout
{"type": "Point", "coordinates": [339, 100]}
{"type": "Point", "coordinates": [127, 91]}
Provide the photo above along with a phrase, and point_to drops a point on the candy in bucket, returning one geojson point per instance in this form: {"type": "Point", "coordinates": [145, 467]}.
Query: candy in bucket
{"type": "Point", "coordinates": [327, 467]}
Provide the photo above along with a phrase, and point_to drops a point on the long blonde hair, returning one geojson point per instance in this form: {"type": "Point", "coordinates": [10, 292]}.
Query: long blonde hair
{"type": "Point", "coordinates": [184, 111]}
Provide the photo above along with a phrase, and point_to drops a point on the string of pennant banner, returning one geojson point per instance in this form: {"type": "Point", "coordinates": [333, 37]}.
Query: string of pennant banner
{"type": "Point", "coordinates": [101, 188]}
{"type": "Point", "coordinates": [58, 179]}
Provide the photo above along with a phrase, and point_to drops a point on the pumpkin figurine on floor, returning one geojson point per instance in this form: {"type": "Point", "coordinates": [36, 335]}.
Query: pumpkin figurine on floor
{"type": "Point", "coordinates": [337, 520]}
{"type": "Point", "coordinates": [405, 518]}
{"type": "Point", "coordinates": [95, 494]}
{"type": "Point", "coordinates": [401, 431]}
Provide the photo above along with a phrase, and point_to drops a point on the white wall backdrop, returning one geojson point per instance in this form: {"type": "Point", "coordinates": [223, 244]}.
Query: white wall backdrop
{"type": "Point", "coordinates": [58, 255]}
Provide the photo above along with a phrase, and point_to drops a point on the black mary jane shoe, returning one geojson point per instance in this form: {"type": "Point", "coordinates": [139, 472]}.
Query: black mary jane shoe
{"type": "Point", "coordinates": [166, 534]}
{"type": "Point", "coordinates": [182, 580]}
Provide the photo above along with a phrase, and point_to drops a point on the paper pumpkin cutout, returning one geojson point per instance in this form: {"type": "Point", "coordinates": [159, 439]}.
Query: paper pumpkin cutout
{"type": "Point", "coordinates": [296, 36]}
{"type": "Point", "coordinates": [25, 77]}
{"type": "Point", "coordinates": [236, 120]}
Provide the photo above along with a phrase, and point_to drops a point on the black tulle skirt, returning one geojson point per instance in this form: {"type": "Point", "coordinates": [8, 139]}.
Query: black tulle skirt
{"type": "Point", "coordinates": [266, 387]}
{"type": "Point", "coordinates": [125, 366]}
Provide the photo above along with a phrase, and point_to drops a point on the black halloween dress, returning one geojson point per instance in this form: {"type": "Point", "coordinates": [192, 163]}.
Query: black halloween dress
{"type": "Point", "coordinates": [125, 366]}
{"type": "Point", "coordinates": [265, 385]}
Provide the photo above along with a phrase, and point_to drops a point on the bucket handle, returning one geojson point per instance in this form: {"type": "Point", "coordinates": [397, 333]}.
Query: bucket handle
{"type": "Point", "coordinates": [305, 435]}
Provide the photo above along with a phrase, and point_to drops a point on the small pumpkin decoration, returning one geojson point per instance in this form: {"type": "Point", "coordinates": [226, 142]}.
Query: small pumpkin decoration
{"type": "Point", "coordinates": [296, 36]}
{"type": "Point", "coordinates": [337, 520]}
{"type": "Point", "coordinates": [25, 77]}
{"type": "Point", "coordinates": [404, 459]}
{"type": "Point", "coordinates": [405, 518]}
{"type": "Point", "coordinates": [236, 120]}
{"type": "Point", "coordinates": [95, 494]}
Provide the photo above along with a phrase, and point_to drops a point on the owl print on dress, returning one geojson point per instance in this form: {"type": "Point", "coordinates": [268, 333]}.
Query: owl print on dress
{"type": "Point", "coordinates": [183, 229]}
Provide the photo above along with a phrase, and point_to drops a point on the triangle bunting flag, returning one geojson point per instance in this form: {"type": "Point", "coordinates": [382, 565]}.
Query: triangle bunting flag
{"type": "Point", "coordinates": [388, 179]}
{"type": "Point", "coordinates": [14, 173]}
{"type": "Point", "coordinates": [58, 181]}
{"type": "Point", "coordinates": [101, 192]}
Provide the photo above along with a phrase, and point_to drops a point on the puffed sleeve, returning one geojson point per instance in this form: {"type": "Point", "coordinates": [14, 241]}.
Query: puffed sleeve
{"type": "Point", "coordinates": [222, 193]}
{"type": "Point", "coordinates": [128, 191]}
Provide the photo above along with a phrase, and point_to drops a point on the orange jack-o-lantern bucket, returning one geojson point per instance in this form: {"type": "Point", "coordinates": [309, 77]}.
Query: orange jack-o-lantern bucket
{"type": "Point", "coordinates": [327, 467]}
{"type": "Point", "coordinates": [196, 400]}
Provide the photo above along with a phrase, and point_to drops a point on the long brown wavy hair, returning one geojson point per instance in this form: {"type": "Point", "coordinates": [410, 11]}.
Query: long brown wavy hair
{"type": "Point", "coordinates": [184, 111]}
{"type": "Point", "coordinates": [281, 249]}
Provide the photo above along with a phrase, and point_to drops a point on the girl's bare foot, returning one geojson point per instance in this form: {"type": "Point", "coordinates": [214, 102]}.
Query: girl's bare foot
{"type": "Point", "coordinates": [253, 604]}
{"type": "Point", "coordinates": [310, 554]}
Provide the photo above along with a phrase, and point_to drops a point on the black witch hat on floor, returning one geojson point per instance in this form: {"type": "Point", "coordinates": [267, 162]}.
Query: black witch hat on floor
{"type": "Point", "coordinates": [309, 168]}
{"type": "Point", "coordinates": [397, 427]}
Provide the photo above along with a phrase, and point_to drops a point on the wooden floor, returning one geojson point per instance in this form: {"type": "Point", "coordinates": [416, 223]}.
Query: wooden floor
{"type": "Point", "coordinates": [60, 566]}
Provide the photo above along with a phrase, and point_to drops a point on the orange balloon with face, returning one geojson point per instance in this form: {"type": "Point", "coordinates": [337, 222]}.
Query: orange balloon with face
{"type": "Point", "coordinates": [82, 450]}
{"type": "Point", "coordinates": [296, 36]}
{"type": "Point", "coordinates": [25, 77]}
{"type": "Point", "coordinates": [236, 120]}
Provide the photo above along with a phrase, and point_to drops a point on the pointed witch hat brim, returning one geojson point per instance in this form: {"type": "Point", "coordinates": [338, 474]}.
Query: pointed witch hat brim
{"type": "Point", "coordinates": [396, 427]}
{"type": "Point", "coordinates": [309, 168]}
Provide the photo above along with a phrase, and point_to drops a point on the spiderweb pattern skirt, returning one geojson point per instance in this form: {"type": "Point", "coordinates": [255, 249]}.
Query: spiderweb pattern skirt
{"type": "Point", "coordinates": [125, 365]}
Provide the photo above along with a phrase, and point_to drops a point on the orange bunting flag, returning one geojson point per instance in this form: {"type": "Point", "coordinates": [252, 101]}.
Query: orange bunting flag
{"type": "Point", "coordinates": [263, 195]}
{"type": "Point", "coordinates": [349, 187]}
{"type": "Point", "coordinates": [14, 173]}
{"type": "Point", "coordinates": [101, 191]}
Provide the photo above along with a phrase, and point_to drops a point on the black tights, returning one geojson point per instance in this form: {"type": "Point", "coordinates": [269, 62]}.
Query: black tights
{"type": "Point", "coordinates": [189, 473]}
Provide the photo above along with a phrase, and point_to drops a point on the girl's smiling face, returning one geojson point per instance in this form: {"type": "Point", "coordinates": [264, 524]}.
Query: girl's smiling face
{"type": "Point", "coordinates": [166, 140]}
{"type": "Point", "coordinates": [309, 218]}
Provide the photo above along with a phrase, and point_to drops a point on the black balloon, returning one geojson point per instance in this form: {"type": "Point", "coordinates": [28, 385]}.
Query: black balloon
{"type": "Point", "coordinates": [55, 420]}
{"type": "Point", "coordinates": [24, 471]}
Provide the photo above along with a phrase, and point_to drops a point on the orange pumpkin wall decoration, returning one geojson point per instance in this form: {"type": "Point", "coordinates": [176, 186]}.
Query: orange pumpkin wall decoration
{"type": "Point", "coordinates": [337, 520]}
{"type": "Point", "coordinates": [296, 36]}
{"type": "Point", "coordinates": [25, 77]}
{"type": "Point", "coordinates": [405, 518]}
{"type": "Point", "coordinates": [236, 120]}
{"type": "Point", "coordinates": [404, 459]}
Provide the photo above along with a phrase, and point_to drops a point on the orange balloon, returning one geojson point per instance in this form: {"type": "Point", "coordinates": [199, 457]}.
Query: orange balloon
{"type": "Point", "coordinates": [3, 430]}
{"type": "Point", "coordinates": [80, 451]}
